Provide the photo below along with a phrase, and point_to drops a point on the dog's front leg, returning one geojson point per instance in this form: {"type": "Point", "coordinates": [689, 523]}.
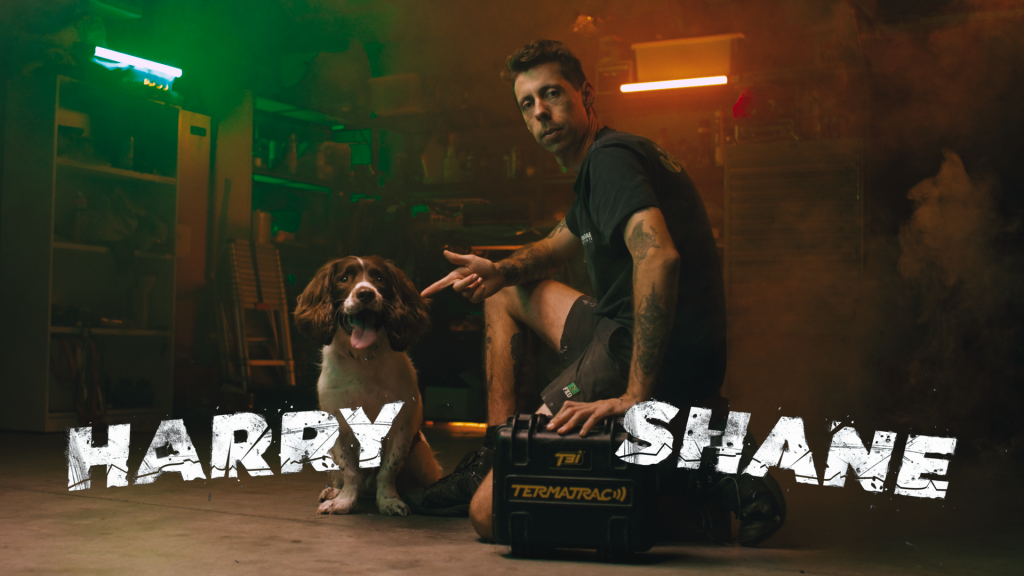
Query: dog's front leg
{"type": "Point", "coordinates": [397, 446]}
{"type": "Point", "coordinates": [341, 498]}
{"type": "Point", "coordinates": [334, 488]}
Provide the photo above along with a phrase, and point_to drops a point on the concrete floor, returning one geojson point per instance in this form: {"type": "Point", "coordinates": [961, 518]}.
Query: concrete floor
{"type": "Point", "coordinates": [269, 525]}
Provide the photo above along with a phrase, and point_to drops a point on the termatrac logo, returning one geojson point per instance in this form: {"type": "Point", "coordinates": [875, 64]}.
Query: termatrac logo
{"type": "Point", "coordinates": [569, 491]}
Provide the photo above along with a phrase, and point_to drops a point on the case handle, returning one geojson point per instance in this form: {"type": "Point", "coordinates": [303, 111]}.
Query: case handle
{"type": "Point", "coordinates": [522, 430]}
{"type": "Point", "coordinates": [614, 462]}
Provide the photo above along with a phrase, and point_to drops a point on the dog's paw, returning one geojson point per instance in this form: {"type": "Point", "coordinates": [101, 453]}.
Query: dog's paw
{"type": "Point", "coordinates": [393, 507]}
{"type": "Point", "coordinates": [337, 506]}
{"type": "Point", "coordinates": [329, 494]}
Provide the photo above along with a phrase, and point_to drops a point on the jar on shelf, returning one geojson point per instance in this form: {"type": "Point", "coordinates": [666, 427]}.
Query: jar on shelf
{"type": "Point", "coordinates": [261, 154]}
{"type": "Point", "coordinates": [291, 155]}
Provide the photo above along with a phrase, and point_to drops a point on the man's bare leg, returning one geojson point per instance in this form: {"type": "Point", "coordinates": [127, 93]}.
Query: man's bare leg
{"type": "Point", "coordinates": [503, 349]}
{"type": "Point", "coordinates": [541, 307]}
{"type": "Point", "coordinates": [481, 508]}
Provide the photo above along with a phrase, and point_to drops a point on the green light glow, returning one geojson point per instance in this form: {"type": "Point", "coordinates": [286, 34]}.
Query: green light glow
{"type": "Point", "coordinates": [129, 60]}
{"type": "Point", "coordinates": [289, 183]}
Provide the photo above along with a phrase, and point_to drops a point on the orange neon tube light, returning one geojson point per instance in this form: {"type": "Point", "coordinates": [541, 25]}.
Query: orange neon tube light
{"type": "Point", "coordinates": [666, 84]}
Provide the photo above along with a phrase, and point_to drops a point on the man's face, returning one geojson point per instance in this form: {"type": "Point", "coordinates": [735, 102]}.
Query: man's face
{"type": "Point", "coordinates": [554, 111]}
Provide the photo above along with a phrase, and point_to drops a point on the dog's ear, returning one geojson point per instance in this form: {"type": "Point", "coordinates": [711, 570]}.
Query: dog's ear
{"type": "Point", "coordinates": [315, 314]}
{"type": "Point", "coordinates": [408, 315]}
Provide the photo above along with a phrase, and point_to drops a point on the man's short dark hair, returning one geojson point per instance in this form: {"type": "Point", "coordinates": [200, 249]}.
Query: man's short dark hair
{"type": "Point", "coordinates": [541, 52]}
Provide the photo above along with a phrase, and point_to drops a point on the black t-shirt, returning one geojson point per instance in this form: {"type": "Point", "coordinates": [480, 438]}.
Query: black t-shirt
{"type": "Point", "coordinates": [623, 173]}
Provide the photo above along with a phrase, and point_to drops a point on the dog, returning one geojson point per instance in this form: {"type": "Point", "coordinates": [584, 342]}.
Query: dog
{"type": "Point", "coordinates": [366, 312]}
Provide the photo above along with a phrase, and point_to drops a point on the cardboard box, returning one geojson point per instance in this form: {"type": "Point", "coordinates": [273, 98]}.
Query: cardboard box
{"type": "Point", "coordinates": [684, 58]}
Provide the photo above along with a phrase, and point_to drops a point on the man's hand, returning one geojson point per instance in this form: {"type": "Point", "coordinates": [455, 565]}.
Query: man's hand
{"type": "Point", "coordinates": [476, 278]}
{"type": "Point", "coordinates": [589, 414]}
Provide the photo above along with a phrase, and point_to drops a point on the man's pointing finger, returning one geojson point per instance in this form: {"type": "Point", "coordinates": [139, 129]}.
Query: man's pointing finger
{"type": "Point", "coordinates": [439, 285]}
{"type": "Point", "coordinates": [455, 258]}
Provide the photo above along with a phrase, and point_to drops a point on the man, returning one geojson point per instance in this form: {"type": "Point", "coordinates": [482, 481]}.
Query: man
{"type": "Point", "coordinates": [657, 326]}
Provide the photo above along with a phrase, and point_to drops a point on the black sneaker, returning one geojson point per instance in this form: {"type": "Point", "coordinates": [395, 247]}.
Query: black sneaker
{"type": "Point", "coordinates": [758, 503]}
{"type": "Point", "coordinates": [451, 495]}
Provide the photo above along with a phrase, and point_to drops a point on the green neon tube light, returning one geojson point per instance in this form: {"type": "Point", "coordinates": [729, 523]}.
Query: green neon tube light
{"type": "Point", "coordinates": [137, 62]}
{"type": "Point", "coordinates": [289, 183]}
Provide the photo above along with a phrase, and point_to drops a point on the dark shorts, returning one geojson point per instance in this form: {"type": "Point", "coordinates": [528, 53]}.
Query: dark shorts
{"type": "Point", "coordinates": [595, 354]}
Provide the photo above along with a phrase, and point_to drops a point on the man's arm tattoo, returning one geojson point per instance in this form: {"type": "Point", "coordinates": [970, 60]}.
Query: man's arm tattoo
{"type": "Point", "coordinates": [558, 228]}
{"type": "Point", "coordinates": [526, 264]}
{"type": "Point", "coordinates": [639, 242]}
{"type": "Point", "coordinates": [511, 271]}
{"type": "Point", "coordinates": [651, 329]}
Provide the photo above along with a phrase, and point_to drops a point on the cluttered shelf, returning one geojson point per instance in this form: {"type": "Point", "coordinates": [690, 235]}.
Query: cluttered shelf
{"type": "Point", "coordinates": [76, 168]}
{"type": "Point", "coordinates": [407, 121]}
{"type": "Point", "coordinates": [103, 249]}
{"type": "Point", "coordinates": [296, 182]}
{"type": "Point", "coordinates": [478, 189]}
{"type": "Point", "coordinates": [109, 331]}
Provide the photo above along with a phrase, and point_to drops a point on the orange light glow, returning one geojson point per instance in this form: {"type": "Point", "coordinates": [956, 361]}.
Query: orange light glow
{"type": "Point", "coordinates": [455, 424]}
{"type": "Point", "coordinates": [666, 84]}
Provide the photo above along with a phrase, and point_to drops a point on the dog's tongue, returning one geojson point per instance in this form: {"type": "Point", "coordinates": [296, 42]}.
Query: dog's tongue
{"type": "Point", "coordinates": [361, 337]}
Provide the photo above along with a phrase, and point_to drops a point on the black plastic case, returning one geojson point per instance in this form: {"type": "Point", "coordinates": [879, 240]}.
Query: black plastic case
{"type": "Point", "coordinates": [554, 491]}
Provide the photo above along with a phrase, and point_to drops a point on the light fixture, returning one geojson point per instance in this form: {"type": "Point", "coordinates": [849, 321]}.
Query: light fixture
{"type": "Point", "coordinates": [683, 62]}
{"type": "Point", "coordinates": [478, 425]}
{"type": "Point", "coordinates": [289, 183]}
{"type": "Point", "coordinates": [169, 72]}
{"type": "Point", "coordinates": [667, 84]}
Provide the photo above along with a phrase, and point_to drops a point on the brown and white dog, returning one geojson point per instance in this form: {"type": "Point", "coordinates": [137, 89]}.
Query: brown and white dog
{"type": "Point", "coordinates": [366, 312]}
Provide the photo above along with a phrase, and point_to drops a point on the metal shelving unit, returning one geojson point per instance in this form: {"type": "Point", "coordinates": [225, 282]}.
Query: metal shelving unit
{"type": "Point", "coordinates": [49, 270]}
